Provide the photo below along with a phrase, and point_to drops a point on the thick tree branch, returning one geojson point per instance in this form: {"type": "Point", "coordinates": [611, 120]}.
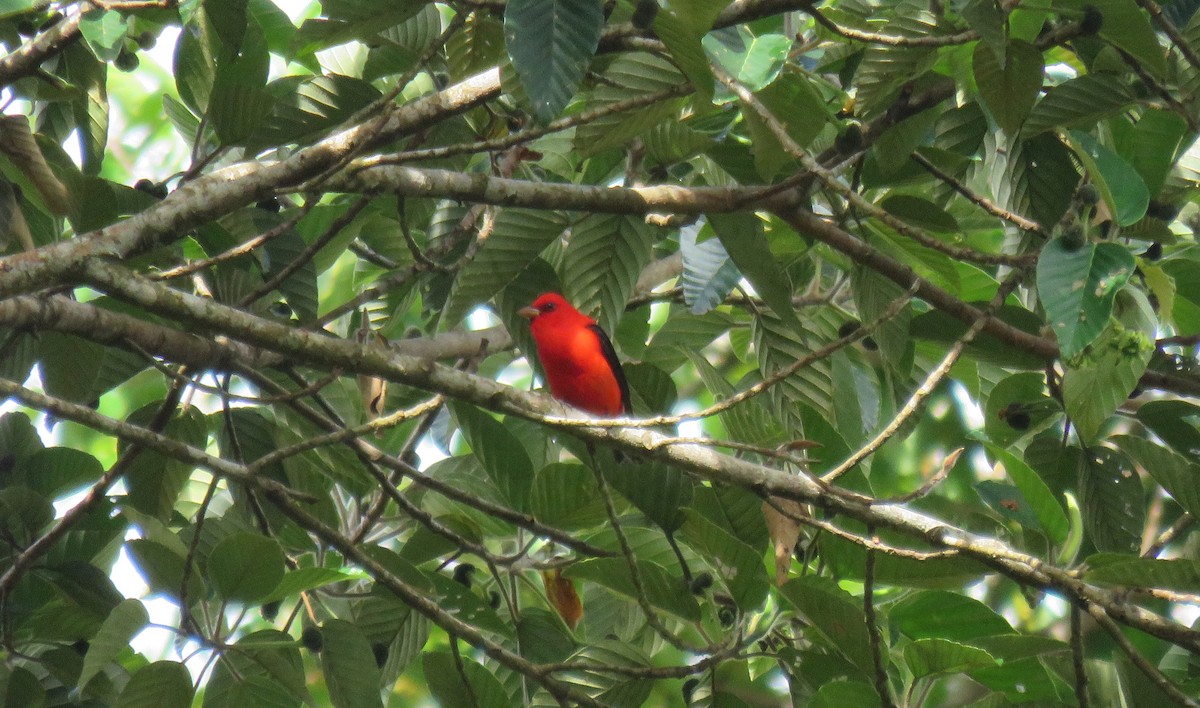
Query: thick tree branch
{"type": "Point", "coordinates": [483, 189]}
{"type": "Point", "coordinates": [223, 191]}
{"type": "Point", "coordinates": [59, 313]}
{"type": "Point", "coordinates": [377, 360]}
{"type": "Point", "coordinates": [26, 59]}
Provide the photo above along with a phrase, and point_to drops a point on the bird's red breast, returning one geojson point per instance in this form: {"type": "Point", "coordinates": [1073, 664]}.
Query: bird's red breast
{"type": "Point", "coordinates": [580, 362]}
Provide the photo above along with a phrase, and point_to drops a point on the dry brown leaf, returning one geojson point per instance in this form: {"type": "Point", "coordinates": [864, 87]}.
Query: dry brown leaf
{"type": "Point", "coordinates": [784, 531]}
{"type": "Point", "coordinates": [561, 593]}
{"type": "Point", "coordinates": [17, 141]}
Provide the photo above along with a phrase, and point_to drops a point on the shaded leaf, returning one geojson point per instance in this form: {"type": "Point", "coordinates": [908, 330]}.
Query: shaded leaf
{"type": "Point", "coordinates": [551, 43]}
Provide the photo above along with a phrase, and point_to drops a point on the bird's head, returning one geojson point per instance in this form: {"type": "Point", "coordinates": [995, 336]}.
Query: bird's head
{"type": "Point", "coordinates": [550, 306]}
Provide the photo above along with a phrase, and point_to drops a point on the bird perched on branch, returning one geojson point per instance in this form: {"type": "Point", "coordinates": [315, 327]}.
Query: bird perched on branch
{"type": "Point", "coordinates": [580, 362]}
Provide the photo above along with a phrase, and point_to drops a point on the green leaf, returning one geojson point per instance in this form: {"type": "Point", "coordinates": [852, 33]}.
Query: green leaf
{"type": "Point", "coordinates": [1127, 27]}
{"type": "Point", "coordinates": [1016, 405]}
{"type": "Point", "coordinates": [921, 213]}
{"type": "Point", "coordinates": [1078, 287]}
{"type": "Point", "coordinates": [299, 288]}
{"type": "Point", "coordinates": [477, 46]}
{"type": "Point", "coordinates": [551, 43]}
{"type": "Point", "coordinates": [663, 590]}
{"type": "Point", "coordinates": [1079, 103]}
{"type": "Point", "coordinates": [153, 480]}
{"type": "Point", "coordinates": [239, 100]}
{"type": "Point", "coordinates": [947, 615]}
{"type": "Point", "coordinates": [69, 365]}
{"type": "Point", "coordinates": [630, 75]}
{"type": "Point", "coordinates": [1112, 500]}
{"type": "Point", "coordinates": [681, 26]}
{"type": "Point", "coordinates": [1156, 140]}
{"type": "Point", "coordinates": [926, 657]}
{"type": "Point", "coordinates": [709, 274]}
{"type": "Point", "coordinates": [162, 568]}
{"type": "Point", "coordinates": [657, 490]}
{"type": "Point", "coordinates": [246, 567]}
{"type": "Point", "coordinates": [846, 693]}
{"type": "Point", "coordinates": [163, 684]}
{"type": "Point", "coordinates": [602, 262]}
{"type": "Point", "coordinates": [1176, 422]}
{"type": "Point", "coordinates": [264, 669]}
{"type": "Point", "coordinates": [542, 636]}
{"type": "Point", "coordinates": [518, 236]}
{"type": "Point", "coordinates": [1046, 508]}
{"type": "Point", "coordinates": [500, 453]}
{"type": "Point", "coordinates": [780, 344]}
{"type": "Point", "coordinates": [301, 579]}
{"type": "Point", "coordinates": [740, 566]}
{"type": "Point", "coordinates": [304, 108]}
{"type": "Point", "coordinates": [104, 31]}
{"type": "Point", "coordinates": [55, 471]}
{"type": "Point", "coordinates": [986, 18]}
{"type": "Point", "coordinates": [125, 620]}
{"type": "Point", "coordinates": [19, 687]}
{"type": "Point", "coordinates": [1009, 88]}
{"type": "Point", "coordinates": [564, 495]}
{"type": "Point", "coordinates": [873, 295]}
{"type": "Point", "coordinates": [680, 332]}
{"type": "Point", "coordinates": [883, 73]}
{"type": "Point", "coordinates": [445, 675]}
{"type": "Point", "coordinates": [1121, 187]}
{"type": "Point", "coordinates": [742, 236]}
{"type": "Point", "coordinates": [349, 666]}
{"type": "Point", "coordinates": [196, 64]}
{"type": "Point", "coordinates": [1173, 574]}
{"type": "Point", "coordinates": [1176, 473]}
{"type": "Point", "coordinates": [1103, 377]}
{"type": "Point", "coordinates": [792, 100]}
{"type": "Point", "coordinates": [90, 111]}
{"type": "Point", "coordinates": [350, 20]}
{"type": "Point", "coordinates": [833, 615]}
{"type": "Point", "coordinates": [755, 63]}
{"type": "Point", "coordinates": [747, 422]}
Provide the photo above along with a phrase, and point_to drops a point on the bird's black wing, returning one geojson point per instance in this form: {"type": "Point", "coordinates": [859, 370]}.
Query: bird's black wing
{"type": "Point", "coordinates": [610, 355]}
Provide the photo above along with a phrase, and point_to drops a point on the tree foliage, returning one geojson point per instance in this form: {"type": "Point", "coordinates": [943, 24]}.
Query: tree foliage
{"type": "Point", "coordinates": [907, 293]}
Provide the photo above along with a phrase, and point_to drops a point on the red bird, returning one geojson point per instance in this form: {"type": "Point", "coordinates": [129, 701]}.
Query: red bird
{"type": "Point", "coordinates": [581, 365]}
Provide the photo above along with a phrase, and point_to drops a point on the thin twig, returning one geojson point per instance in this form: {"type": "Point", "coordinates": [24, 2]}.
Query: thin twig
{"type": "Point", "coordinates": [1081, 680]}
{"type": "Point", "coordinates": [878, 648]}
{"type": "Point", "coordinates": [917, 399]}
{"type": "Point", "coordinates": [1143, 664]}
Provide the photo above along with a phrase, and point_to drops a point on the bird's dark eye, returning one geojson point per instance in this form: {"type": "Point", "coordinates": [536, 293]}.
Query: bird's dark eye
{"type": "Point", "coordinates": [548, 307]}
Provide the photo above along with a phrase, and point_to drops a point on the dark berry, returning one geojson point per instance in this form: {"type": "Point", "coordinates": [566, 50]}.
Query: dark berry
{"type": "Point", "coordinates": [154, 189]}
{"type": "Point", "coordinates": [126, 61]}
{"type": "Point", "coordinates": [1154, 252]}
{"type": "Point", "coordinates": [643, 16]}
{"type": "Point", "coordinates": [1073, 238]}
{"type": "Point", "coordinates": [850, 140]}
{"type": "Point", "coordinates": [701, 582]}
{"type": "Point", "coordinates": [1092, 20]}
{"type": "Point", "coordinates": [271, 204]}
{"type": "Point", "coordinates": [312, 639]}
{"type": "Point", "coordinates": [463, 573]}
{"type": "Point", "coordinates": [688, 689]}
{"type": "Point", "coordinates": [270, 610]}
{"type": "Point", "coordinates": [848, 328]}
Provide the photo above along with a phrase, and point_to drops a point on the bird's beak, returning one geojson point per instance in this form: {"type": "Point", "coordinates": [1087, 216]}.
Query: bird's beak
{"type": "Point", "coordinates": [528, 312]}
